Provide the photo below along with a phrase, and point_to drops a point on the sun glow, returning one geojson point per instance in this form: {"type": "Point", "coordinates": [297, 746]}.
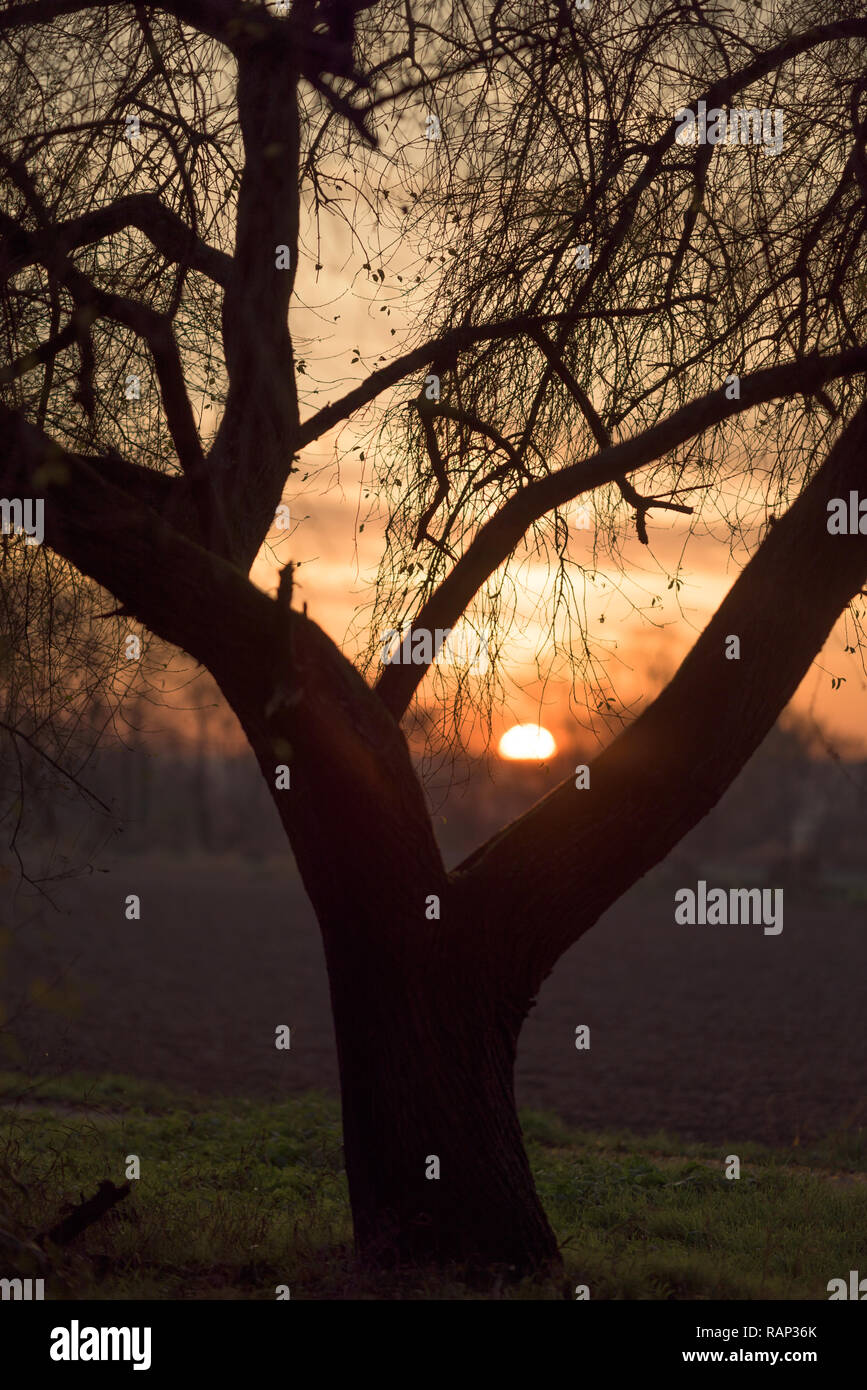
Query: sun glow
{"type": "Point", "coordinates": [529, 742]}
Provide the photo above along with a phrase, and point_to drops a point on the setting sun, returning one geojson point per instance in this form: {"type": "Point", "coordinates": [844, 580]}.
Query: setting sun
{"type": "Point", "coordinates": [527, 741]}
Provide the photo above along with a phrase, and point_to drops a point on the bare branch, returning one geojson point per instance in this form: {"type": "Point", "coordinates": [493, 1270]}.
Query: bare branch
{"type": "Point", "coordinates": [496, 540]}
{"type": "Point", "coordinates": [222, 19]}
{"type": "Point", "coordinates": [562, 864]}
{"type": "Point", "coordinates": [112, 521]}
{"type": "Point", "coordinates": [603, 438]}
{"type": "Point", "coordinates": [168, 233]}
{"type": "Point", "coordinates": [149, 325]}
{"type": "Point", "coordinates": [453, 340]}
{"type": "Point", "coordinates": [63, 772]}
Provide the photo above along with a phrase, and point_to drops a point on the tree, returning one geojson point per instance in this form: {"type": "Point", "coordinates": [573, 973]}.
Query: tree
{"type": "Point", "coordinates": [625, 317]}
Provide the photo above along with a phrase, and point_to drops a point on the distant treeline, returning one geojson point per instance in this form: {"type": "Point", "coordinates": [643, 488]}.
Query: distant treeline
{"type": "Point", "coordinates": [796, 808]}
{"type": "Point", "coordinates": [790, 810]}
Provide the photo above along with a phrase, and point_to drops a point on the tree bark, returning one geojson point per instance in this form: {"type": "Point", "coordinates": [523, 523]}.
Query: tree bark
{"type": "Point", "coordinates": [433, 1147]}
{"type": "Point", "coordinates": [426, 1020]}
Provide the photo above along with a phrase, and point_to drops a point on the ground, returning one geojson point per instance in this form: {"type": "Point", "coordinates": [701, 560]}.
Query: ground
{"type": "Point", "coordinates": [156, 1037]}
{"type": "Point", "coordinates": [237, 1199]}
{"type": "Point", "coordinates": [719, 1034]}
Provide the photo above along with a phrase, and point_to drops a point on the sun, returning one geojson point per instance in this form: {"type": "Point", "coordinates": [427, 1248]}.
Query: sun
{"type": "Point", "coordinates": [529, 742]}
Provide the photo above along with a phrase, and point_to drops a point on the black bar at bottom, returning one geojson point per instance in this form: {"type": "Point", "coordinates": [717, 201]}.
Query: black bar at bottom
{"type": "Point", "coordinates": [224, 1338]}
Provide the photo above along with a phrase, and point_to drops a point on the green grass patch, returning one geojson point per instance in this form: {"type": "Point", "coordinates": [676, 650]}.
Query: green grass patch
{"type": "Point", "coordinates": [238, 1196]}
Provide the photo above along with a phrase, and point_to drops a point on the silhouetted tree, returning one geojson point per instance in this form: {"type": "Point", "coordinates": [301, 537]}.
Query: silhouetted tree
{"type": "Point", "coordinates": [612, 314]}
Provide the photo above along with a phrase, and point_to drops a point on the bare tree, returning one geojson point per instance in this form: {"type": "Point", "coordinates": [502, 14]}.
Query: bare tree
{"type": "Point", "coordinates": [607, 312]}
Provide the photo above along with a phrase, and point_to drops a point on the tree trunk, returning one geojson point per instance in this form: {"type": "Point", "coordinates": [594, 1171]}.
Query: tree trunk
{"type": "Point", "coordinates": [432, 973]}
{"type": "Point", "coordinates": [433, 1147]}
{"type": "Point", "coordinates": [426, 1013]}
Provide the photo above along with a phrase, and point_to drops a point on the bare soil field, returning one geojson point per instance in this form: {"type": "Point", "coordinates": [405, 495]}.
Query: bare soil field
{"type": "Point", "coordinates": [716, 1033]}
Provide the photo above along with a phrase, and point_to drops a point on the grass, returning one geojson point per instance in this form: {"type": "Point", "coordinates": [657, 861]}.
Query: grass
{"type": "Point", "coordinates": [239, 1196]}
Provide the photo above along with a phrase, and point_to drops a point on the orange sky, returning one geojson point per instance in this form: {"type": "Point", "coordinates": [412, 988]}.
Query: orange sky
{"type": "Point", "coordinates": [338, 566]}
{"type": "Point", "coordinates": [343, 305]}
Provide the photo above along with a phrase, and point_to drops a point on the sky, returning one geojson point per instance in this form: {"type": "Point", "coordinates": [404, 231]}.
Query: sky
{"type": "Point", "coordinates": [336, 543]}
{"type": "Point", "coordinates": [641, 650]}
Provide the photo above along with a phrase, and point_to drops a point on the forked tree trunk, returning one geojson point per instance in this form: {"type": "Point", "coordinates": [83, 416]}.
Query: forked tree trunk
{"type": "Point", "coordinates": [432, 973]}
{"type": "Point", "coordinates": [427, 1008]}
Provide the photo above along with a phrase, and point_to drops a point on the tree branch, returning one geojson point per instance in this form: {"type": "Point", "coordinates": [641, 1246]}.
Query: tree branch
{"type": "Point", "coordinates": [497, 538]}
{"type": "Point", "coordinates": [428, 414]}
{"type": "Point", "coordinates": [719, 93]}
{"type": "Point", "coordinates": [110, 518]}
{"type": "Point", "coordinates": [439, 472]}
{"type": "Point", "coordinates": [563, 863]}
{"type": "Point", "coordinates": [252, 453]}
{"type": "Point", "coordinates": [86, 1213]}
{"type": "Point", "coordinates": [453, 340]}
{"type": "Point", "coordinates": [46, 352]}
{"type": "Point", "coordinates": [165, 229]}
{"type": "Point", "coordinates": [153, 327]}
{"type": "Point", "coordinates": [222, 19]}
{"type": "Point", "coordinates": [603, 438]}
{"type": "Point", "coordinates": [339, 739]}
